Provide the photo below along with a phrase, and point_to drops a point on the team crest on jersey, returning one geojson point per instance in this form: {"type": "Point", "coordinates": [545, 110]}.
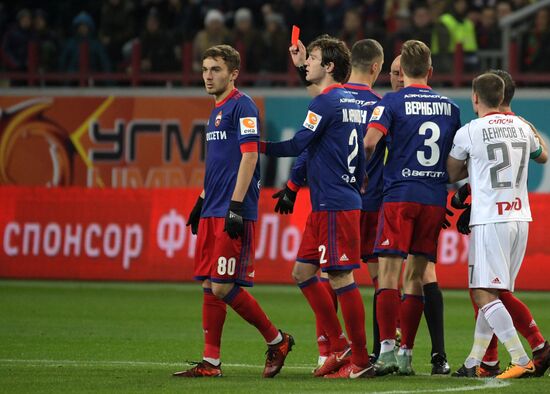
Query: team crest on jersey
{"type": "Point", "coordinates": [312, 120]}
{"type": "Point", "coordinates": [249, 125]}
{"type": "Point", "coordinates": [377, 113]}
{"type": "Point", "coordinates": [218, 119]}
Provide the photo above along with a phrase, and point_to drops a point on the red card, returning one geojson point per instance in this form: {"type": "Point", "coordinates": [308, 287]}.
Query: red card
{"type": "Point", "coordinates": [295, 35]}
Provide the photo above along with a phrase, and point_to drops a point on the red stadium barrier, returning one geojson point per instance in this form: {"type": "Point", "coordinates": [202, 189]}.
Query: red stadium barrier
{"type": "Point", "coordinates": [140, 234]}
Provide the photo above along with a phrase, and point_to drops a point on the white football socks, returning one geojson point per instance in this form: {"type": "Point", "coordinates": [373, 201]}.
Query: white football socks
{"type": "Point", "coordinates": [482, 337]}
{"type": "Point", "coordinates": [501, 322]}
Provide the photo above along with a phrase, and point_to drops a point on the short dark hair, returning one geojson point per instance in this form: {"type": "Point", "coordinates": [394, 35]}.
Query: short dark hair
{"type": "Point", "coordinates": [416, 59]}
{"type": "Point", "coordinates": [226, 52]}
{"type": "Point", "coordinates": [364, 53]}
{"type": "Point", "coordinates": [509, 86]}
{"type": "Point", "coordinates": [333, 51]}
{"type": "Point", "coordinates": [489, 88]}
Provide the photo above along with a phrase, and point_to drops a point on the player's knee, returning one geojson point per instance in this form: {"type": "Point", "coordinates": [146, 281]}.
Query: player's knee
{"type": "Point", "coordinates": [302, 272]}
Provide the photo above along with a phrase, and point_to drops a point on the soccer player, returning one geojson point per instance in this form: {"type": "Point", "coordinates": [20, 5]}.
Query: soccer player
{"type": "Point", "coordinates": [225, 215]}
{"type": "Point", "coordinates": [335, 166]}
{"type": "Point", "coordinates": [418, 125]}
{"type": "Point", "coordinates": [520, 313]}
{"type": "Point", "coordinates": [367, 58]}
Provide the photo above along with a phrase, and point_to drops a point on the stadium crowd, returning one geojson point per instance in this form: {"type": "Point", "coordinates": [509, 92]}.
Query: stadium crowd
{"type": "Point", "coordinates": [259, 27]}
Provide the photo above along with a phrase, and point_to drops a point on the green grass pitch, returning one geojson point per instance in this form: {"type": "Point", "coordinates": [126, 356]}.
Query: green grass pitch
{"type": "Point", "coordinates": [67, 337]}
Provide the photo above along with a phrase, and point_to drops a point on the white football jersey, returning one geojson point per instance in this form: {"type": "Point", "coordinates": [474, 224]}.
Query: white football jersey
{"type": "Point", "coordinates": [497, 148]}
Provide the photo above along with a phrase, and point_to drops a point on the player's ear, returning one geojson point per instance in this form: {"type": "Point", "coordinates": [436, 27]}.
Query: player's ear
{"type": "Point", "coordinates": [430, 72]}
{"type": "Point", "coordinates": [233, 75]}
{"type": "Point", "coordinates": [329, 67]}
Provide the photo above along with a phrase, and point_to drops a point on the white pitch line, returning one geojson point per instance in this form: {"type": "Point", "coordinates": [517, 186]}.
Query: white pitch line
{"type": "Point", "coordinates": [488, 385]}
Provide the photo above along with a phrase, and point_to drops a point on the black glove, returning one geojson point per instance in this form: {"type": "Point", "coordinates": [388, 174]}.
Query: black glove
{"type": "Point", "coordinates": [195, 216]}
{"type": "Point", "coordinates": [463, 223]}
{"type": "Point", "coordinates": [285, 204]}
{"type": "Point", "coordinates": [458, 200]}
{"type": "Point", "coordinates": [446, 223]}
{"type": "Point", "coordinates": [234, 225]}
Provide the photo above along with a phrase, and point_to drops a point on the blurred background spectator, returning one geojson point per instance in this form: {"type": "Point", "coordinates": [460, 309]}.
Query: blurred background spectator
{"type": "Point", "coordinates": [157, 46]}
{"type": "Point", "coordinates": [46, 40]}
{"type": "Point", "coordinates": [16, 42]}
{"type": "Point", "coordinates": [84, 33]}
{"type": "Point", "coordinates": [536, 43]}
{"type": "Point", "coordinates": [174, 33]}
{"type": "Point", "coordinates": [248, 40]}
{"type": "Point", "coordinates": [214, 33]}
{"type": "Point", "coordinates": [116, 27]}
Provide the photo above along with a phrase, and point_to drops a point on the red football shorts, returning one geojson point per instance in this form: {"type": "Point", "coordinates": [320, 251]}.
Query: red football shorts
{"type": "Point", "coordinates": [369, 224]}
{"type": "Point", "coordinates": [409, 228]}
{"type": "Point", "coordinates": [332, 240]}
{"type": "Point", "coordinates": [222, 259]}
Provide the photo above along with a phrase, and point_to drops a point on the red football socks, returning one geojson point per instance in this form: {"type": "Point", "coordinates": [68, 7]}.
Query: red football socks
{"type": "Point", "coordinates": [387, 310]}
{"type": "Point", "coordinates": [320, 301]}
{"type": "Point", "coordinates": [523, 320]}
{"type": "Point", "coordinates": [213, 318]}
{"type": "Point", "coordinates": [248, 308]}
{"type": "Point", "coordinates": [411, 313]}
{"type": "Point", "coordinates": [353, 312]}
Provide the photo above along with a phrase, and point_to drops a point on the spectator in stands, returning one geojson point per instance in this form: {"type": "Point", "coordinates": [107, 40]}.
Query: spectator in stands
{"type": "Point", "coordinates": [247, 41]}
{"type": "Point", "coordinates": [116, 27]}
{"type": "Point", "coordinates": [488, 31]}
{"type": "Point", "coordinates": [535, 43]}
{"type": "Point", "coordinates": [214, 33]}
{"type": "Point", "coordinates": [403, 32]}
{"type": "Point", "coordinates": [352, 28]}
{"type": "Point", "coordinates": [503, 9]}
{"type": "Point", "coordinates": [461, 31]}
{"type": "Point", "coordinates": [334, 12]}
{"type": "Point", "coordinates": [157, 46]}
{"type": "Point", "coordinates": [422, 24]}
{"type": "Point", "coordinates": [16, 42]}
{"type": "Point", "coordinates": [46, 40]}
{"type": "Point", "coordinates": [84, 33]}
{"type": "Point", "coordinates": [275, 38]}
{"type": "Point", "coordinates": [309, 16]}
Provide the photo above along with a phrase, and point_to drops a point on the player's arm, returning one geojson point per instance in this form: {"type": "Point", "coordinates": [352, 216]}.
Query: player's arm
{"type": "Point", "coordinates": [541, 154]}
{"type": "Point", "coordinates": [313, 126]}
{"type": "Point", "coordinates": [374, 134]}
{"type": "Point", "coordinates": [456, 169]}
{"type": "Point", "coordinates": [245, 174]}
{"type": "Point", "coordinates": [286, 197]}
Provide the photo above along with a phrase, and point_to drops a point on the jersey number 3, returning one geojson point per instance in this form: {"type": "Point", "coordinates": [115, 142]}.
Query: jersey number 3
{"type": "Point", "coordinates": [431, 143]}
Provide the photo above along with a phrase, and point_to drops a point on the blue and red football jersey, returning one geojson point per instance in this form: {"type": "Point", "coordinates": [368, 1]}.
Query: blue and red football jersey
{"type": "Point", "coordinates": [332, 133]}
{"type": "Point", "coordinates": [367, 100]}
{"type": "Point", "coordinates": [232, 123]}
{"type": "Point", "coordinates": [419, 125]}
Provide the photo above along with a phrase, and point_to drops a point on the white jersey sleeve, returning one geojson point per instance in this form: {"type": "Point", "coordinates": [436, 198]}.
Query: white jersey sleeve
{"type": "Point", "coordinates": [497, 167]}
{"type": "Point", "coordinates": [462, 144]}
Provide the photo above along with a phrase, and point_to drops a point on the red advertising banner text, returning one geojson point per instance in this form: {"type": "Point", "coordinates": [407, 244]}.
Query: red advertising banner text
{"type": "Point", "coordinates": [141, 234]}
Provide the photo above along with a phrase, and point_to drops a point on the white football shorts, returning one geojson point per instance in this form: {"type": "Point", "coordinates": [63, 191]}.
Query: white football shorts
{"type": "Point", "coordinates": [496, 253]}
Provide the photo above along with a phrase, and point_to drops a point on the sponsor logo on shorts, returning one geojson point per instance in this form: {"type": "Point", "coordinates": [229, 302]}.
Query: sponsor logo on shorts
{"type": "Point", "coordinates": [344, 257]}
{"type": "Point", "coordinates": [251, 275]}
{"type": "Point", "coordinates": [249, 125]}
{"type": "Point", "coordinates": [385, 243]}
{"type": "Point", "coordinates": [377, 113]}
{"type": "Point", "coordinates": [496, 281]}
{"type": "Point", "coordinates": [312, 120]}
